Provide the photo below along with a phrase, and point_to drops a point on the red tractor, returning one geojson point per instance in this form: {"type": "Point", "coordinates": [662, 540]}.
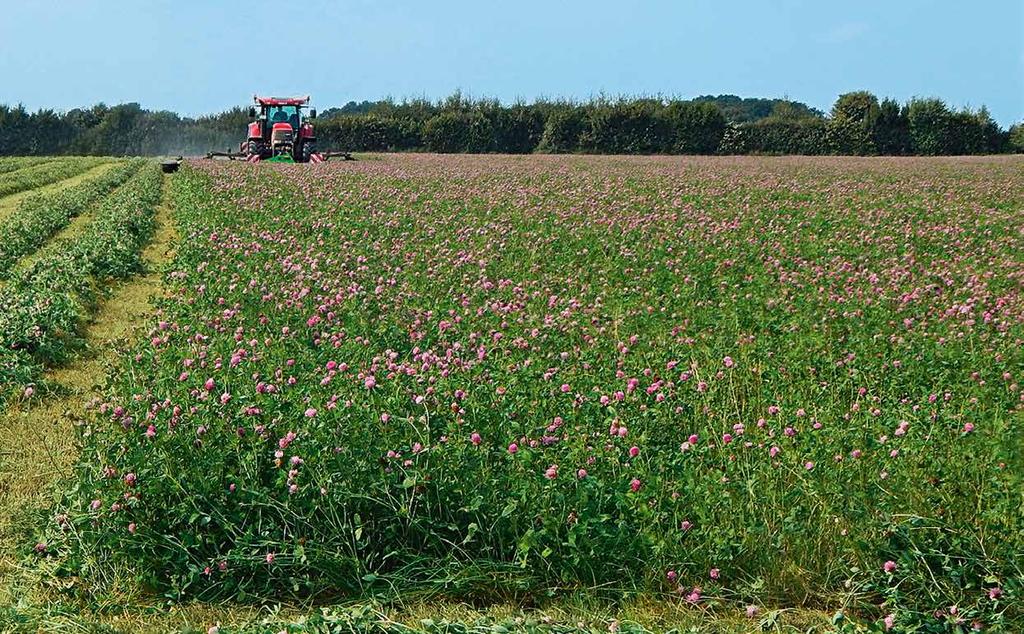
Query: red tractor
{"type": "Point", "coordinates": [280, 134]}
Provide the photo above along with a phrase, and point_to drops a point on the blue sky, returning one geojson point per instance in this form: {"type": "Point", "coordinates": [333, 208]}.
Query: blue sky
{"type": "Point", "coordinates": [199, 56]}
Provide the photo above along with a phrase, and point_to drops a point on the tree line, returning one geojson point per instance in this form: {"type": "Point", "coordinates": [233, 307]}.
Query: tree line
{"type": "Point", "coordinates": [858, 123]}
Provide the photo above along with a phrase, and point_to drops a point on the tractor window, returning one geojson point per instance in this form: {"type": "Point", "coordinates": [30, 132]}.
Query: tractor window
{"type": "Point", "coordinates": [284, 114]}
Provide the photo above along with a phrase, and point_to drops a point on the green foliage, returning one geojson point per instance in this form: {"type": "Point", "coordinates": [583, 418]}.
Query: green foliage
{"type": "Point", "coordinates": [858, 124]}
{"type": "Point", "coordinates": [43, 132]}
{"type": "Point", "coordinates": [517, 129]}
{"type": "Point", "coordinates": [459, 131]}
{"type": "Point", "coordinates": [371, 133]}
{"type": "Point", "coordinates": [782, 312]}
{"type": "Point", "coordinates": [935, 129]}
{"type": "Point", "coordinates": [42, 308]}
{"type": "Point", "coordinates": [12, 164]}
{"type": "Point", "coordinates": [733, 141]}
{"type": "Point", "coordinates": [787, 136]}
{"type": "Point", "coordinates": [38, 175]}
{"type": "Point", "coordinates": [891, 133]}
{"type": "Point", "coordinates": [562, 131]}
{"type": "Point", "coordinates": [692, 127]}
{"type": "Point", "coordinates": [41, 215]}
{"type": "Point", "coordinates": [16, 368]}
{"type": "Point", "coordinates": [747, 110]}
{"type": "Point", "coordinates": [624, 127]}
{"type": "Point", "coordinates": [1015, 138]}
{"type": "Point", "coordinates": [974, 132]}
{"type": "Point", "coordinates": [859, 107]}
{"type": "Point", "coordinates": [848, 137]}
{"type": "Point", "coordinates": [931, 127]}
{"type": "Point", "coordinates": [853, 122]}
{"type": "Point", "coordinates": [350, 108]}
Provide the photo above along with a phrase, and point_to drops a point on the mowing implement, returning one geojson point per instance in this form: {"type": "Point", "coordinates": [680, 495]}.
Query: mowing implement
{"type": "Point", "coordinates": [280, 134]}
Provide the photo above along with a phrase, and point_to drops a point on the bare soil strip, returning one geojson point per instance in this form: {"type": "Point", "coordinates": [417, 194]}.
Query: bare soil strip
{"type": "Point", "coordinates": [10, 203]}
{"type": "Point", "coordinates": [37, 432]}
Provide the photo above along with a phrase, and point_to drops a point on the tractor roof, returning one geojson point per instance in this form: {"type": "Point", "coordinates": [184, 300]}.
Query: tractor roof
{"type": "Point", "coordinates": [281, 101]}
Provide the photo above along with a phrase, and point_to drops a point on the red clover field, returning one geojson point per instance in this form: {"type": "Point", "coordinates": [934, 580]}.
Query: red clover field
{"type": "Point", "coordinates": [752, 383]}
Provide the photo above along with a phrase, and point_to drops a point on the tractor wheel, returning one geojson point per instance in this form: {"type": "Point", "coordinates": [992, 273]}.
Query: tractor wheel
{"type": "Point", "coordinates": [254, 148]}
{"type": "Point", "coordinates": [307, 152]}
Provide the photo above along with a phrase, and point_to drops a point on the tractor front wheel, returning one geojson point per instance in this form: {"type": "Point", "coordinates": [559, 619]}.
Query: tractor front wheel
{"type": "Point", "coordinates": [307, 152]}
{"type": "Point", "coordinates": [254, 148]}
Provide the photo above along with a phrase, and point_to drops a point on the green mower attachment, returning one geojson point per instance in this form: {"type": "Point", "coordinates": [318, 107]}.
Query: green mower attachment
{"type": "Point", "coordinates": [281, 158]}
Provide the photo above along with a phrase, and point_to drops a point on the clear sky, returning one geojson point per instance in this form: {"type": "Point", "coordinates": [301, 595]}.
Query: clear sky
{"type": "Point", "coordinates": [200, 56]}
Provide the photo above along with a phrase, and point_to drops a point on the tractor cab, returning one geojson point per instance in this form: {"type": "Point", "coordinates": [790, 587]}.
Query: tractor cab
{"type": "Point", "coordinates": [282, 114]}
{"type": "Point", "coordinates": [283, 122]}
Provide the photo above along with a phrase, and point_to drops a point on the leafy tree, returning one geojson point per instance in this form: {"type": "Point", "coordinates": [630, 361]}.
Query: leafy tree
{"type": "Point", "coordinates": [410, 110]}
{"type": "Point", "coordinates": [848, 137]}
{"type": "Point", "coordinates": [517, 129]}
{"type": "Point", "coordinates": [350, 108]}
{"type": "Point", "coordinates": [692, 127]}
{"type": "Point", "coordinates": [624, 127]}
{"type": "Point", "coordinates": [850, 129]}
{"type": "Point", "coordinates": [1015, 138]}
{"type": "Point", "coordinates": [113, 134]}
{"type": "Point", "coordinates": [733, 141]}
{"type": "Point", "coordinates": [860, 107]}
{"type": "Point", "coordinates": [456, 131]}
{"type": "Point", "coordinates": [891, 132]}
{"type": "Point", "coordinates": [789, 111]}
{"type": "Point", "coordinates": [805, 135]}
{"type": "Point", "coordinates": [747, 110]}
{"type": "Point", "coordinates": [991, 138]}
{"type": "Point", "coordinates": [15, 130]}
{"type": "Point", "coordinates": [931, 127]}
{"type": "Point", "coordinates": [562, 130]}
{"type": "Point", "coordinates": [369, 133]}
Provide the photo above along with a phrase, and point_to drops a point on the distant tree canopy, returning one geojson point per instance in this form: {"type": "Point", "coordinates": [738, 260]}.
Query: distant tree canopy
{"type": "Point", "coordinates": [1016, 138]}
{"type": "Point", "coordinates": [858, 123]}
{"type": "Point", "coordinates": [125, 129]}
{"type": "Point", "coordinates": [750, 109]}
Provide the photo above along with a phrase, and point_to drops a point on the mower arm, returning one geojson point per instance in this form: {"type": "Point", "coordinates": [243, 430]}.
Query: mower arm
{"type": "Point", "coordinates": [345, 156]}
{"type": "Point", "coordinates": [228, 155]}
